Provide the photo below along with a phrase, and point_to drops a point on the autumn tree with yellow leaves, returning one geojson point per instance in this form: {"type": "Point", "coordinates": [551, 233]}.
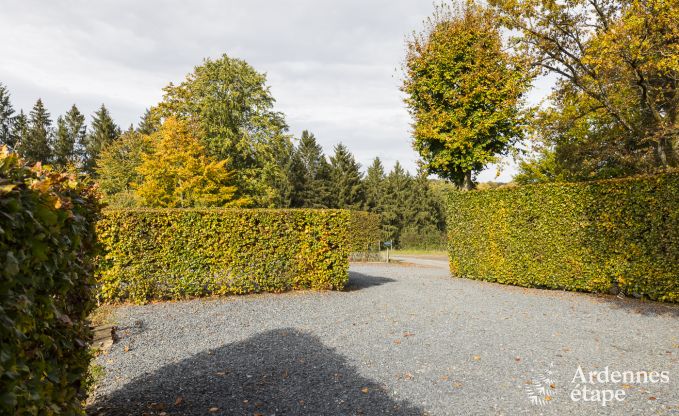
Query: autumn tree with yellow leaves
{"type": "Point", "coordinates": [177, 172]}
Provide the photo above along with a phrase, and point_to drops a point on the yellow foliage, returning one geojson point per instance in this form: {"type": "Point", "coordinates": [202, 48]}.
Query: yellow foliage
{"type": "Point", "coordinates": [177, 173]}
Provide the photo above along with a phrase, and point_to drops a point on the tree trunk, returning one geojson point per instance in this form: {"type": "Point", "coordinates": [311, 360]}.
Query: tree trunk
{"type": "Point", "coordinates": [467, 183]}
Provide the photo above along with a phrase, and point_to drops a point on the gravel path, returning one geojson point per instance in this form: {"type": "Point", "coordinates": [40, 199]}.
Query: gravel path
{"type": "Point", "coordinates": [404, 340]}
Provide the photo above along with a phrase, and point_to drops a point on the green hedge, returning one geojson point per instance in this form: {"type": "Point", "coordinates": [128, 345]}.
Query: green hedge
{"type": "Point", "coordinates": [47, 240]}
{"type": "Point", "coordinates": [365, 231]}
{"type": "Point", "coordinates": [179, 253]}
{"type": "Point", "coordinates": [593, 236]}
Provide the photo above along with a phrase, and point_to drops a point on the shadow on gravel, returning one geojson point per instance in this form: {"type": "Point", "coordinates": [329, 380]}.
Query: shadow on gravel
{"type": "Point", "coordinates": [640, 307]}
{"type": "Point", "coordinates": [282, 372]}
{"type": "Point", "coordinates": [358, 281]}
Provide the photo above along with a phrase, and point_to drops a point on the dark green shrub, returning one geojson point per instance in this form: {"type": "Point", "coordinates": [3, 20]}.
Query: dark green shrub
{"type": "Point", "coordinates": [179, 253]}
{"type": "Point", "coordinates": [592, 236]}
{"type": "Point", "coordinates": [47, 238]}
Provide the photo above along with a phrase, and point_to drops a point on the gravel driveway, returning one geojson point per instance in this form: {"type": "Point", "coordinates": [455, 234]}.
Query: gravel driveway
{"type": "Point", "coordinates": [403, 339]}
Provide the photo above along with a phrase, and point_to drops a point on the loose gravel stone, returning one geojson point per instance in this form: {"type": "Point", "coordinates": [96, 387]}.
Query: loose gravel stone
{"type": "Point", "coordinates": [403, 339]}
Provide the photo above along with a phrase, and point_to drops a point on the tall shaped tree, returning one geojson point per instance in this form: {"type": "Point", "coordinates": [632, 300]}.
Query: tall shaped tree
{"type": "Point", "coordinates": [374, 186]}
{"type": "Point", "coordinates": [102, 133]}
{"type": "Point", "coordinates": [35, 147]}
{"type": "Point", "coordinates": [346, 176]}
{"type": "Point", "coordinates": [310, 174]}
{"type": "Point", "coordinates": [396, 202]}
{"type": "Point", "coordinates": [6, 119]}
{"type": "Point", "coordinates": [70, 137]}
{"type": "Point", "coordinates": [19, 129]}
{"type": "Point", "coordinates": [464, 93]}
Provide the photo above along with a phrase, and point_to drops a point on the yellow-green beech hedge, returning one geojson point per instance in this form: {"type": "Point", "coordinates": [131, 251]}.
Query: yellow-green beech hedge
{"type": "Point", "coordinates": [365, 231]}
{"type": "Point", "coordinates": [154, 254]}
{"type": "Point", "coordinates": [592, 236]}
{"type": "Point", "coordinates": [47, 244]}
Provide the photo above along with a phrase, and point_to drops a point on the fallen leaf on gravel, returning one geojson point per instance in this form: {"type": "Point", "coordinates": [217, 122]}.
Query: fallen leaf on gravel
{"type": "Point", "coordinates": [220, 373]}
{"type": "Point", "coordinates": [476, 357]}
{"type": "Point", "coordinates": [457, 385]}
{"type": "Point", "coordinates": [126, 348]}
{"type": "Point", "coordinates": [651, 398]}
{"type": "Point", "coordinates": [408, 334]}
{"type": "Point", "coordinates": [213, 409]}
{"type": "Point", "coordinates": [179, 401]}
{"type": "Point", "coordinates": [444, 378]}
{"type": "Point", "coordinates": [301, 402]}
{"type": "Point", "coordinates": [517, 359]}
{"type": "Point", "coordinates": [397, 341]}
{"type": "Point", "coordinates": [157, 406]}
{"type": "Point", "coordinates": [408, 376]}
{"type": "Point", "coordinates": [365, 390]}
{"type": "Point", "coordinates": [548, 397]}
{"type": "Point", "coordinates": [626, 386]}
{"type": "Point", "coordinates": [285, 374]}
{"type": "Point", "coordinates": [162, 414]}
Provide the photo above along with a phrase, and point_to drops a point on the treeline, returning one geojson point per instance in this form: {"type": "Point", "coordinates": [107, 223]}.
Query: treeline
{"type": "Point", "coordinates": [215, 141]}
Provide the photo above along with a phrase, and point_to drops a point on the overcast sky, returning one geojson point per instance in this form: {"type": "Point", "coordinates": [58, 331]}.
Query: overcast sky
{"type": "Point", "coordinates": [334, 67]}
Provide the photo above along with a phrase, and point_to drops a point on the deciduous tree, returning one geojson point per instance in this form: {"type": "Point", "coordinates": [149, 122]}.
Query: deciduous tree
{"type": "Point", "coordinates": [230, 108]}
{"type": "Point", "coordinates": [463, 91]}
{"type": "Point", "coordinates": [186, 178]}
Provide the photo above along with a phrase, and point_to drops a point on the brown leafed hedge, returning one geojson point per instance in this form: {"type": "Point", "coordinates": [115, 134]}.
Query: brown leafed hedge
{"type": "Point", "coordinates": [179, 253]}
{"type": "Point", "coordinates": [47, 240]}
{"type": "Point", "coordinates": [592, 236]}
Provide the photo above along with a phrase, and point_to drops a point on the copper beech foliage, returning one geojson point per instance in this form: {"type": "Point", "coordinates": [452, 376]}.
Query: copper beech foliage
{"type": "Point", "coordinates": [599, 236]}
{"type": "Point", "coordinates": [47, 244]}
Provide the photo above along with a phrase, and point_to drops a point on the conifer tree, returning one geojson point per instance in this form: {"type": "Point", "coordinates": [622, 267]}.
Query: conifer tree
{"type": "Point", "coordinates": [69, 138]}
{"type": "Point", "coordinates": [395, 206]}
{"type": "Point", "coordinates": [102, 133]}
{"type": "Point", "coordinates": [19, 129]}
{"type": "Point", "coordinates": [35, 146]}
{"type": "Point", "coordinates": [149, 123]}
{"type": "Point", "coordinates": [6, 119]}
{"type": "Point", "coordinates": [347, 185]}
{"type": "Point", "coordinates": [374, 186]}
{"type": "Point", "coordinates": [310, 174]}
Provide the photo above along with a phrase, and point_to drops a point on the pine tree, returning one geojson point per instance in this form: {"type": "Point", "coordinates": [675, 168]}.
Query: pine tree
{"type": "Point", "coordinates": [309, 174]}
{"type": "Point", "coordinates": [374, 186]}
{"type": "Point", "coordinates": [102, 133]}
{"type": "Point", "coordinates": [35, 147]}
{"type": "Point", "coordinates": [347, 185]}
{"type": "Point", "coordinates": [19, 129]}
{"type": "Point", "coordinates": [69, 138]}
{"type": "Point", "coordinates": [396, 204]}
{"type": "Point", "coordinates": [425, 222]}
{"type": "Point", "coordinates": [149, 123]}
{"type": "Point", "coordinates": [6, 119]}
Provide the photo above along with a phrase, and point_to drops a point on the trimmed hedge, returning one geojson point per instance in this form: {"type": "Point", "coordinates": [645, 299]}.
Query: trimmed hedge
{"type": "Point", "coordinates": [47, 239]}
{"type": "Point", "coordinates": [365, 231]}
{"type": "Point", "coordinates": [154, 254]}
{"type": "Point", "coordinates": [593, 236]}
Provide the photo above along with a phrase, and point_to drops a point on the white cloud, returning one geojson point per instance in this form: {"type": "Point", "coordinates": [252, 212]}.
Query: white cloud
{"type": "Point", "coordinates": [332, 66]}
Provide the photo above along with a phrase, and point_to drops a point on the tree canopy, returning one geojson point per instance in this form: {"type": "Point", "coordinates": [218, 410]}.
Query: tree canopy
{"type": "Point", "coordinates": [463, 91]}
